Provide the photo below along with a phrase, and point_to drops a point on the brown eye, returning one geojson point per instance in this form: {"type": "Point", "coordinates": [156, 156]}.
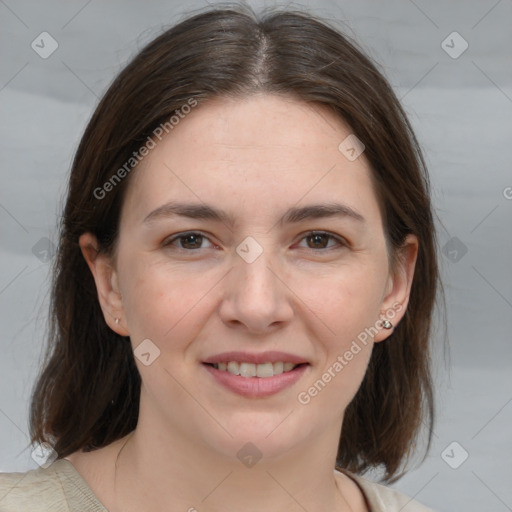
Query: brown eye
{"type": "Point", "coordinates": [187, 241]}
{"type": "Point", "coordinates": [320, 240]}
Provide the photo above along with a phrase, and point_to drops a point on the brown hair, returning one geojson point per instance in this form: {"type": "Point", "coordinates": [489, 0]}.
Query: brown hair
{"type": "Point", "coordinates": [87, 394]}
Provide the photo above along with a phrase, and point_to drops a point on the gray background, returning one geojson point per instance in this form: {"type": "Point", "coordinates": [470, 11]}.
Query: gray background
{"type": "Point", "coordinates": [461, 109]}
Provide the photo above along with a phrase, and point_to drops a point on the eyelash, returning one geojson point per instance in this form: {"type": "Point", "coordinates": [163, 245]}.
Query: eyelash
{"type": "Point", "coordinates": [341, 242]}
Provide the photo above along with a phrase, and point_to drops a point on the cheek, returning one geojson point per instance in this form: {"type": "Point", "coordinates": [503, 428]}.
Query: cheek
{"type": "Point", "coordinates": [348, 308]}
{"type": "Point", "coordinates": [346, 300]}
{"type": "Point", "coordinates": [337, 383]}
{"type": "Point", "coordinates": [164, 303]}
{"type": "Point", "coordinates": [345, 307]}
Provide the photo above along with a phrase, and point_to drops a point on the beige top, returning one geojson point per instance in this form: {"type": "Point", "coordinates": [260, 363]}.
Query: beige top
{"type": "Point", "coordinates": [60, 488]}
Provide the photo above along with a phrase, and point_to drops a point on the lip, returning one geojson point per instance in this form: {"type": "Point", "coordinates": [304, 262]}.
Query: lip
{"type": "Point", "coordinates": [263, 357]}
{"type": "Point", "coordinates": [256, 387]}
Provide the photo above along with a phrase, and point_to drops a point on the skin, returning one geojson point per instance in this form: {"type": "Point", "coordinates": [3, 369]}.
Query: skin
{"type": "Point", "coordinates": [255, 158]}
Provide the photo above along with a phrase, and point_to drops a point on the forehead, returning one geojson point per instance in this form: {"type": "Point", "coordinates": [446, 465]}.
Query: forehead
{"type": "Point", "coordinates": [257, 154]}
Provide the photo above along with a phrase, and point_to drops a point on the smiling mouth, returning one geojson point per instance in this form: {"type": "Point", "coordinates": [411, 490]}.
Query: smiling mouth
{"type": "Point", "coordinates": [264, 370]}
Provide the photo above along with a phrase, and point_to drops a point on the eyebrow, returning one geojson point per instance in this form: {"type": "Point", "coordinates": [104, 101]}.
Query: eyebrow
{"type": "Point", "coordinates": [292, 215]}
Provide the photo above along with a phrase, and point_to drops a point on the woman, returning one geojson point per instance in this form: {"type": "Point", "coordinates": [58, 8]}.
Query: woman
{"type": "Point", "coordinates": [244, 286]}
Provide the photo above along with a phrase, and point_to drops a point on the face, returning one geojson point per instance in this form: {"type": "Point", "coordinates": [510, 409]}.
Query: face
{"type": "Point", "coordinates": [273, 286]}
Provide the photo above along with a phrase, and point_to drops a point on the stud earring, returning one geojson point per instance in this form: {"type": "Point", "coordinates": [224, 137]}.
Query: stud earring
{"type": "Point", "coordinates": [386, 324]}
{"type": "Point", "coordinates": [117, 321]}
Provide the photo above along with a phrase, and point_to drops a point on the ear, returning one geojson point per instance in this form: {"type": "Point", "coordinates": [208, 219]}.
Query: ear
{"type": "Point", "coordinates": [398, 289]}
{"type": "Point", "coordinates": [105, 277]}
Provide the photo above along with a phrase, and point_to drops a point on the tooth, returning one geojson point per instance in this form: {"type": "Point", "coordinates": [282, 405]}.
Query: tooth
{"type": "Point", "coordinates": [233, 368]}
{"type": "Point", "coordinates": [264, 370]}
{"type": "Point", "coordinates": [247, 369]}
{"type": "Point", "coordinates": [288, 366]}
{"type": "Point", "coordinates": [278, 368]}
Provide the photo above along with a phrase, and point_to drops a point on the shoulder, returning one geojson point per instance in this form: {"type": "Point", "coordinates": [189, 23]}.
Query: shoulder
{"type": "Point", "coordinates": [385, 499]}
{"type": "Point", "coordinates": [35, 490]}
{"type": "Point", "coordinates": [57, 488]}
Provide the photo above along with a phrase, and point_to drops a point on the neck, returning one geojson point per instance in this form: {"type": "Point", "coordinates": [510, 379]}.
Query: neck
{"type": "Point", "coordinates": [157, 469]}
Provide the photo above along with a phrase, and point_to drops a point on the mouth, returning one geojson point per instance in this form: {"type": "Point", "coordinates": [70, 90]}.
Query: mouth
{"type": "Point", "coordinates": [252, 380]}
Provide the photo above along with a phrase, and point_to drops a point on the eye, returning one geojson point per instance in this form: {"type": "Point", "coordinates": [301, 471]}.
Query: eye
{"type": "Point", "coordinates": [318, 239]}
{"type": "Point", "coordinates": [187, 241]}
{"type": "Point", "coordinates": [191, 241]}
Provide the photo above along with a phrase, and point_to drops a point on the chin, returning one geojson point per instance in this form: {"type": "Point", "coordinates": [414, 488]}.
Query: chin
{"type": "Point", "coordinates": [260, 435]}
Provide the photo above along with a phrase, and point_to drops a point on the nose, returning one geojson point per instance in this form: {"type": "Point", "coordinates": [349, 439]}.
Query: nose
{"type": "Point", "coordinates": [256, 296]}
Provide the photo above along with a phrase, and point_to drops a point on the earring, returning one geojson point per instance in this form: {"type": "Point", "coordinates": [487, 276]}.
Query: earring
{"type": "Point", "coordinates": [386, 324]}
{"type": "Point", "coordinates": [117, 321]}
